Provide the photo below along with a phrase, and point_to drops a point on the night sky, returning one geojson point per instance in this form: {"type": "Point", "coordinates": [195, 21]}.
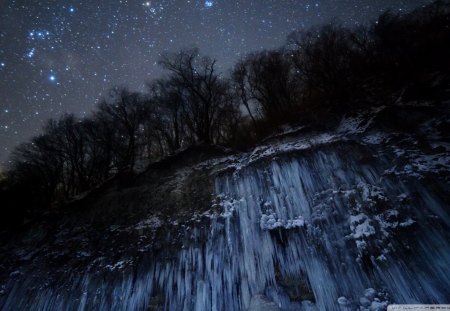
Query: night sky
{"type": "Point", "coordinates": [62, 56]}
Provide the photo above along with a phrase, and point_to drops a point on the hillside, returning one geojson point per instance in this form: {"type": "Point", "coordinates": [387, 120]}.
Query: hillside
{"type": "Point", "coordinates": [362, 209]}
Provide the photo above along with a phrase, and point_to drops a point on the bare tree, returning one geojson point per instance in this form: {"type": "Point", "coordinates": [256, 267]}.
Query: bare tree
{"type": "Point", "coordinates": [240, 85]}
{"type": "Point", "coordinates": [203, 91]}
{"type": "Point", "coordinates": [124, 114]}
{"type": "Point", "coordinates": [168, 103]}
{"type": "Point", "coordinates": [267, 78]}
{"type": "Point", "coordinates": [37, 169]}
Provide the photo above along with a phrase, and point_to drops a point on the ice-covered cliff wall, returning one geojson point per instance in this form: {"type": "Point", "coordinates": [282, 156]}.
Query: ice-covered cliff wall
{"type": "Point", "coordinates": [338, 227]}
{"type": "Point", "coordinates": [322, 224]}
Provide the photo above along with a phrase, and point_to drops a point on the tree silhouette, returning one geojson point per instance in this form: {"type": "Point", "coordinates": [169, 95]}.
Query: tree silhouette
{"type": "Point", "coordinates": [203, 91]}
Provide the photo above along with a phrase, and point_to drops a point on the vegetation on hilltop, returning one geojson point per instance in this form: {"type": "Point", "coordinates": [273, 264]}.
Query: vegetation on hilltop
{"type": "Point", "coordinates": [314, 79]}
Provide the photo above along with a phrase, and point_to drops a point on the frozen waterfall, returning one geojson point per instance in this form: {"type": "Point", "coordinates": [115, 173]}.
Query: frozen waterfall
{"type": "Point", "coordinates": [328, 229]}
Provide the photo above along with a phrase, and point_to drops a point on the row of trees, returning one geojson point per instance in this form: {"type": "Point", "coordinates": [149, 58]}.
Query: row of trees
{"type": "Point", "coordinates": [315, 78]}
{"type": "Point", "coordinates": [126, 131]}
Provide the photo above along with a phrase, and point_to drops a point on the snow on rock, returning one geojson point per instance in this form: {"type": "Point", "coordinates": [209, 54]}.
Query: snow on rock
{"type": "Point", "coordinates": [378, 306]}
{"type": "Point", "coordinates": [407, 223]}
{"type": "Point", "coordinates": [120, 265]}
{"type": "Point", "coordinates": [360, 226]}
{"type": "Point", "coordinates": [151, 223]}
{"type": "Point", "coordinates": [343, 301]}
{"type": "Point", "coordinates": [373, 300]}
{"type": "Point", "coordinates": [83, 254]}
{"type": "Point", "coordinates": [381, 258]}
{"type": "Point", "coordinates": [370, 293]}
{"type": "Point", "coordinates": [417, 164]}
{"type": "Point", "coordinates": [270, 222]}
{"type": "Point", "coordinates": [352, 125]}
{"type": "Point", "coordinates": [223, 206]}
{"type": "Point", "coordinates": [375, 138]}
{"type": "Point", "coordinates": [370, 193]}
{"type": "Point", "coordinates": [15, 274]}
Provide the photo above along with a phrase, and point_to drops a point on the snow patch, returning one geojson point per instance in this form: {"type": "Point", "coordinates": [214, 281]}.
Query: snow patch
{"type": "Point", "coordinates": [270, 222]}
{"type": "Point", "coordinates": [120, 265]}
{"type": "Point", "coordinates": [151, 223]}
{"type": "Point", "coordinates": [361, 226]}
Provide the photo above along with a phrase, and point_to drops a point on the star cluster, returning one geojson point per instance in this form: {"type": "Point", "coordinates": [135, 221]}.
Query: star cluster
{"type": "Point", "coordinates": [59, 56]}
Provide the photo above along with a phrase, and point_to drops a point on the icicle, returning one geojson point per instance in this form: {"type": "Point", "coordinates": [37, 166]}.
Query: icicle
{"type": "Point", "coordinates": [319, 232]}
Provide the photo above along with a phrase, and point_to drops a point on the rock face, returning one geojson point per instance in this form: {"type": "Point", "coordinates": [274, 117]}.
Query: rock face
{"type": "Point", "coordinates": [350, 220]}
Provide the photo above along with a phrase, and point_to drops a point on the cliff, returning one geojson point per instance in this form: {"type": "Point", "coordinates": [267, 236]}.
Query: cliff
{"type": "Point", "coordinates": [350, 219]}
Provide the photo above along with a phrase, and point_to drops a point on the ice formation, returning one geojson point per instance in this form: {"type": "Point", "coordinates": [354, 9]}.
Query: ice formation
{"type": "Point", "coordinates": [321, 230]}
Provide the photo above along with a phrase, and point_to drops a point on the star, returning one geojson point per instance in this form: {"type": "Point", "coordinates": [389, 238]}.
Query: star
{"type": "Point", "coordinates": [31, 52]}
{"type": "Point", "coordinates": [58, 58]}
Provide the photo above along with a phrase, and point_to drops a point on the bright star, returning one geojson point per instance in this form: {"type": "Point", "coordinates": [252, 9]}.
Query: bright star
{"type": "Point", "coordinates": [71, 10]}
{"type": "Point", "coordinates": [31, 52]}
{"type": "Point", "coordinates": [52, 78]}
{"type": "Point", "coordinates": [209, 4]}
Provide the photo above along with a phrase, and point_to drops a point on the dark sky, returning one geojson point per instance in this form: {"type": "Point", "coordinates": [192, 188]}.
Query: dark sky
{"type": "Point", "coordinates": [61, 56]}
